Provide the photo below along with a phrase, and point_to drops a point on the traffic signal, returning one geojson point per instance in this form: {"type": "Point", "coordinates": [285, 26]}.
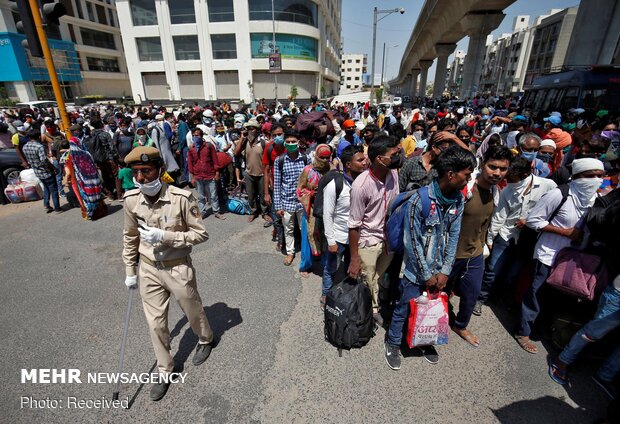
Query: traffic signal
{"type": "Point", "coordinates": [27, 27]}
{"type": "Point", "coordinates": [52, 11]}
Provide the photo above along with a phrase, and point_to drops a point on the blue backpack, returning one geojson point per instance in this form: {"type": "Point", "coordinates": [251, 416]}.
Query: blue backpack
{"type": "Point", "coordinates": [238, 205]}
{"type": "Point", "coordinates": [397, 210]}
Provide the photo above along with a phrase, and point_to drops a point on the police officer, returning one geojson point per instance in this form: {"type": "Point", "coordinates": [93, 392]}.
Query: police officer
{"type": "Point", "coordinates": [162, 223]}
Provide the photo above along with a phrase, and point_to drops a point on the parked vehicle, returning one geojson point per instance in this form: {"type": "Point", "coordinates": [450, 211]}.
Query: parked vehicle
{"type": "Point", "coordinates": [10, 166]}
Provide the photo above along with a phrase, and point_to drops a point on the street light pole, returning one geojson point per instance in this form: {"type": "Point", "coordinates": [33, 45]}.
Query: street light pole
{"type": "Point", "coordinates": [382, 64]}
{"type": "Point", "coordinates": [376, 12]}
{"type": "Point", "coordinates": [386, 54]}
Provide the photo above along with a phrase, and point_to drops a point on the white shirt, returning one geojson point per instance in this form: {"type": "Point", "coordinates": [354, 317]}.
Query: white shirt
{"type": "Point", "coordinates": [336, 213]}
{"type": "Point", "coordinates": [513, 206]}
{"type": "Point", "coordinates": [567, 217]}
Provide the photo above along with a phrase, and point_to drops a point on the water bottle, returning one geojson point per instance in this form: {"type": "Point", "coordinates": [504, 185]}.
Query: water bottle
{"type": "Point", "coordinates": [422, 300]}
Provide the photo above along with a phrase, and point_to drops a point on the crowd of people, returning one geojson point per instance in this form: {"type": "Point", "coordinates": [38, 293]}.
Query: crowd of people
{"type": "Point", "coordinates": [508, 189]}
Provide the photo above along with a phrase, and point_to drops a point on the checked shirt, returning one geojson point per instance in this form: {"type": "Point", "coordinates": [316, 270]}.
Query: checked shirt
{"type": "Point", "coordinates": [285, 182]}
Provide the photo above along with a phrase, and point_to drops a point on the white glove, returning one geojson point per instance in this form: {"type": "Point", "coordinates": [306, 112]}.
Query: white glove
{"type": "Point", "coordinates": [131, 281]}
{"type": "Point", "coordinates": [151, 235]}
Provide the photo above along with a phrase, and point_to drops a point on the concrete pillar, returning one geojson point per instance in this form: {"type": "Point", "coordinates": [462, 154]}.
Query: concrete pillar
{"type": "Point", "coordinates": [443, 51]}
{"type": "Point", "coordinates": [415, 73]}
{"type": "Point", "coordinates": [24, 91]}
{"type": "Point", "coordinates": [478, 26]}
{"type": "Point", "coordinates": [424, 65]}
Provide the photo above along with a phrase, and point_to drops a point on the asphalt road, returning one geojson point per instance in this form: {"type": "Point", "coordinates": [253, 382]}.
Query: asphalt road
{"type": "Point", "coordinates": [64, 301]}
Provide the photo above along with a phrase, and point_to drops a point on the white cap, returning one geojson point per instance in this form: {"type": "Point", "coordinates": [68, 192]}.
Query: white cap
{"type": "Point", "coordinates": [587, 164]}
{"type": "Point", "coordinates": [547, 142]}
{"type": "Point", "coordinates": [208, 113]}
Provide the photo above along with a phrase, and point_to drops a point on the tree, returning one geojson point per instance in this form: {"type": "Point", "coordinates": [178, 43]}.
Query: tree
{"type": "Point", "coordinates": [294, 92]}
{"type": "Point", "coordinates": [379, 94]}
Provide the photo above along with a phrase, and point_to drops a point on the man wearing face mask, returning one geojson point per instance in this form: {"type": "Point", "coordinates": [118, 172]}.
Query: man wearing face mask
{"type": "Point", "coordinates": [371, 193]}
{"type": "Point", "coordinates": [123, 139]}
{"type": "Point", "coordinates": [546, 153]}
{"type": "Point", "coordinates": [162, 223]}
{"type": "Point", "coordinates": [251, 148]}
{"type": "Point", "coordinates": [203, 169]}
{"type": "Point", "coordinates": [521, 193]}
{"type": "Point", "coordinates": [560, 220]}
{"type": "Point", "coordinates": [529, 144]}
{"type": "Point", "coordinates": [345, 135]}
{"type": "Point", "coordinates": [272, 150]}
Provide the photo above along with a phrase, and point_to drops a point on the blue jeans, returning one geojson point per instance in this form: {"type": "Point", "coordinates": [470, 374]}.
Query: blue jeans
{"type": "Point", "coordinates": [503, 258]}
{"type": "Point", "coordinates": [467, 273]}
{"type": "Point", "coordinates": [408, 290]}
{"type": "Point", "coordinates": [207, 188]}
{"type": "Point", "coordinates": [58, 176]}
{"type": "Point", "coordinates": [606, 319]}
{"type": "Point", "coordinates": [50, 188]}
{"type": "Point", "coordinates": [530, 306]}
{"type": "Point", "coordinates": [334, 262]}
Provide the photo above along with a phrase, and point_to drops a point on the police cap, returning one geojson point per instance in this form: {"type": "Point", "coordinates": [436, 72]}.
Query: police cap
{"type": "Point", "coordinates": [143, 155]}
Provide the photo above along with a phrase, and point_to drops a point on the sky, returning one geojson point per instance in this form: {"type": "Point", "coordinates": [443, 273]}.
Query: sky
{"type": "Point", "coordinates": [395, 29]}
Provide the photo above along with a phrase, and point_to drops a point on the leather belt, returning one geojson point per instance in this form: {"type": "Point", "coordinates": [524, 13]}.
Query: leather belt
{"type": "Point", "coordinates": [164, 264]}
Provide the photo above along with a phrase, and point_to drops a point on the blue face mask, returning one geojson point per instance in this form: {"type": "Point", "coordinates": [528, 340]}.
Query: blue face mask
{"type": "Point", "coordinates": [197, 140]}
{"type": "Point", "coordinates": [279, 140]}
{"type": "Point", "coordinates": [529, 155]}
{"type": "Point", "coordinates": [545, 157]}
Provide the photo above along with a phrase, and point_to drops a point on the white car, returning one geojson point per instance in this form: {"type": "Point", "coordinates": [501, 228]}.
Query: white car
{"type": "Point", "coordinates": [397, 101]}
{"type": "Point", "coordinates": [39, 104]}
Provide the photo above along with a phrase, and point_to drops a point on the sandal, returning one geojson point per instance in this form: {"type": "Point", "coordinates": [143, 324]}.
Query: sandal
{"type": "Point", "coordinates": [304, 274]}
{"type": "Point", "coordinates": [323, 303]}
{"type": "Point", "coordinates": [467, 335]}
{"type": "Point", "coordinates": [526, 344]}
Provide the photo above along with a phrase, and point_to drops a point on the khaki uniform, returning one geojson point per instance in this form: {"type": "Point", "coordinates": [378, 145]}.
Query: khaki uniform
{"type": "Point", "coordinates": [166, 267]}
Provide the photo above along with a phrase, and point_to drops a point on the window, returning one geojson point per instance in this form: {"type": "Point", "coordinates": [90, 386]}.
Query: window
{"type": "Point", "coordinates": [111, 17]}
{"type": "Point", "coordinates": [94, 38]}
{"type": "Point", "coordinates": [349, 69]}
{"type": "Point", "coordinates": [298, 11]}
{"type": "Point", "coordinates": [357, 61]}
{"type": "Point", "coordinates": [224, 46]}
{"type": "Point", "coordinates": [350, 61]}
{"type": "Point", "coordinates": [348, 78]}
{"type": "Point", "coordinates": [90, 11]}
{"type": "Point", "coordinates": [149, 49]}
{"type": "Point", "coordinates": [357, 69]}
{"type": "Point", "coordinates": [143, 12]}
{"type": "Point", "coordinates": [182, 12]}
{"type": "Point", "coordinates": [102, 65]}
{"type": "Point", "coordinates": [221, 11]}
{"type": "Point", "coordinates": [186, 47]}
{"type": "Point", "coordinates": [67, 4]}
{"type": "Point", "coordinates": [78, 6]}
{"type": "Point", "coordinates": [71, 33]}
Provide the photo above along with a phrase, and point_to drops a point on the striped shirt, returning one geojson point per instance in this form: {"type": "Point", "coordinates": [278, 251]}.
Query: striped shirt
{"type": "Point", "coordinates": [568, 216]}
{"type": "Point", "coordinates": [369, 202]}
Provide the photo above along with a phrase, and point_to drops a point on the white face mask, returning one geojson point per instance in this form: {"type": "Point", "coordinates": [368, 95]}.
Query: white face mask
{"type": "Point", "coordinates": [520, 186]}
{"type": "Point", "coordinates": [149, 189]}
{"type": "Point", "coordinates": [417, 135]}
{"type": "Point", "coordinates": [584, 189]}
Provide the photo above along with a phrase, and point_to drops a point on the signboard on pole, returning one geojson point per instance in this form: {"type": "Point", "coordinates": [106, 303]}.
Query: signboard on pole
{"type": "Point", "coordinates": [275, 63]}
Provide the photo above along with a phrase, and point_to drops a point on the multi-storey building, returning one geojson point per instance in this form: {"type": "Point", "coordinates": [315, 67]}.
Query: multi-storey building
{"type": "Point", "coordinates": [86, 48]}
{"type": "Point", "coordinates": [550, 43]}
{"type": "Point", "coordinates": [219, 49]}
{"type": "Point", "coordinates": [455, 73]}
{"type": "Point", "coordinates": [352, 72]}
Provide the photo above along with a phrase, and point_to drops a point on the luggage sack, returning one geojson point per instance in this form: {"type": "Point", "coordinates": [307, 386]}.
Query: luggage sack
{"type": "Point", "coordinates": [348, 315]}
{"type": "Point", "coordinates": [578, 273]}
{"type": "Point", "coordinates": [238, 205]}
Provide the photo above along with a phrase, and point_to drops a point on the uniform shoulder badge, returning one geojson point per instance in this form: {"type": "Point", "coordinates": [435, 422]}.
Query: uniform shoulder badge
{"type": "Point", "coordinates": [194, 211]}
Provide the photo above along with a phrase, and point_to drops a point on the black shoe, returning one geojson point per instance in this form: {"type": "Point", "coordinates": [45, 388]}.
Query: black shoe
{"type": "Point", "coordinates": [606, 386]}
{"type": "Point", "coordinates": [49, 210]}
{"type": "Point", "coordinates": [158, 391]}
{"type": "Point", "coordinates": [430, 354]}
{"type": "Point", "coordinates": [203, 350]}
{"type": "Point", "coordinates": [392, 356]}
{"type": "Point", "coordinates": [477, 308]}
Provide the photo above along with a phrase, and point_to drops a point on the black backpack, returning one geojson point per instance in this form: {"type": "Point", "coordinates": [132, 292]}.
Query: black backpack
{"type": "Point", "coordinates": [348, 315]}
{"type": "Point", "coordinates": [98, 146]}
{"type": "Point", "coordinates": [334, 174]}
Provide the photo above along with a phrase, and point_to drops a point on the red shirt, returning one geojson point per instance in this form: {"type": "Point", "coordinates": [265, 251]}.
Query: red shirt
{"type": "Point", "coordinates": [275, 152]}
{"type": "Point", "coordinates": [203, 163]}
